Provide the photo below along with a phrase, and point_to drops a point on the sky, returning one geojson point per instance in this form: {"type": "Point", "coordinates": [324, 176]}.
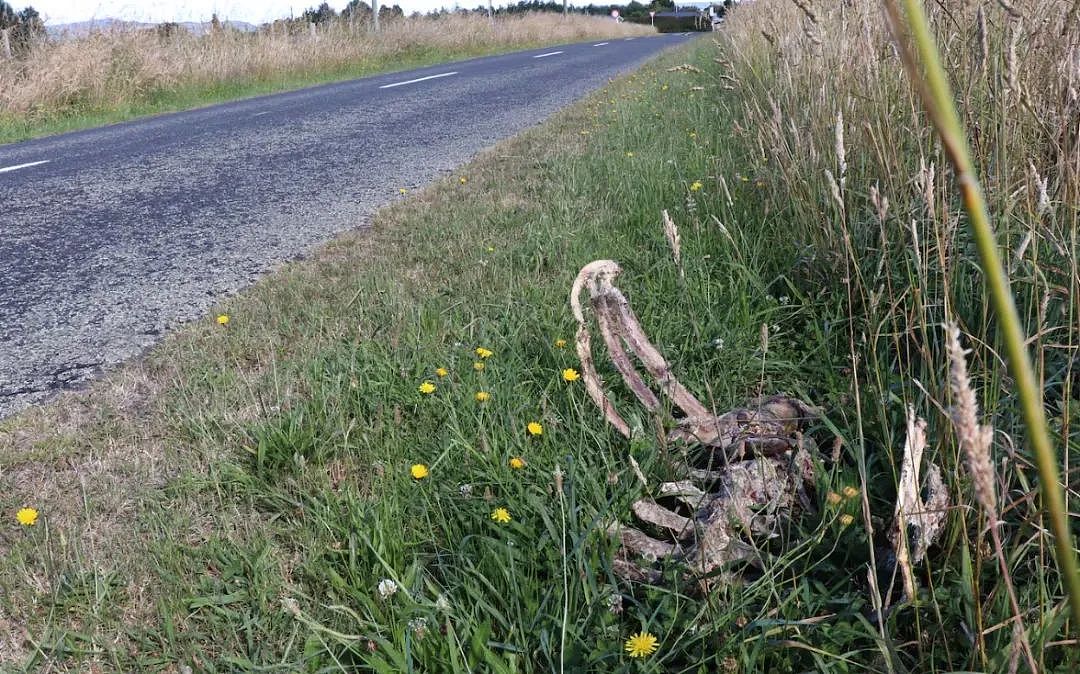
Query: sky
{"type": "Point", "coordinates": [252, 11]}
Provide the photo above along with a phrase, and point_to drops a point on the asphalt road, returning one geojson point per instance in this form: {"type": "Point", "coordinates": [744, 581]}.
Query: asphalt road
{"type": "Point", "coordinates": [110, 237]}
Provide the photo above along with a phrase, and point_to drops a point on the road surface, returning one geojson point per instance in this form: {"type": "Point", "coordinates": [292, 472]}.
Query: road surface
{"type": "Point", "coordinates": [110, 237]}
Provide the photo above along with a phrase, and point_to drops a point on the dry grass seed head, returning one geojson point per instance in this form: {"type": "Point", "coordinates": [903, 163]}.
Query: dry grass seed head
{"type": "Point", "coordinates": [975, 439]}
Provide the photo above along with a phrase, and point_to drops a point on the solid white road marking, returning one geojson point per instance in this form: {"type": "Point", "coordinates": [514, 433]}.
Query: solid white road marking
{"type": "Point", "coordinates": [418, 79]}
{"type": "Point", "coordinates": [601, 44]}
{"type": "Point", "coordinates": [550, 53]}
{"type": "Point", "coordinates": [22, 166]}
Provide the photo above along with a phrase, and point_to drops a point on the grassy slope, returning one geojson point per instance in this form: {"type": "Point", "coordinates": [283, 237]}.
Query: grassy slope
{"type": "Point", "coordinates": [284, 440]}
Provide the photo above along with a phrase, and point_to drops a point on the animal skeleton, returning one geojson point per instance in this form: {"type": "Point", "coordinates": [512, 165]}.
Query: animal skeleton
{"type": "Point", "coordinates": [756, 459]}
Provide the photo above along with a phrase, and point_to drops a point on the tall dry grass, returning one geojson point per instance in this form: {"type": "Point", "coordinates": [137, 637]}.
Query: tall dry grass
{"type": "Point", "coordinates": [829, 118]}
{"type": "Point", "coordinates": [117, 68]}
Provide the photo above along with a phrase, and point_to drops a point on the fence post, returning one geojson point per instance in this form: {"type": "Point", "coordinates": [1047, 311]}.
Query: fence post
{"type": "Point", "coordinates": [375, 15]}
{"type": "Point", "coordinates": [311, 27]}
{"type": "Point", "coordinates": [5, 39]}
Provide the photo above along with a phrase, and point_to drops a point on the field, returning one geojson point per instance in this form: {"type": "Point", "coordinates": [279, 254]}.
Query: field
{"type": "Point", "coordinates": [249, 497]}
{"type": "Point", "coordinates": [119, 74]}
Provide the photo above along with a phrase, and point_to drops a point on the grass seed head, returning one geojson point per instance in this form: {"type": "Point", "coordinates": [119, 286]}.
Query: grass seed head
{"type": "Point", "coordinates": [975, 439]}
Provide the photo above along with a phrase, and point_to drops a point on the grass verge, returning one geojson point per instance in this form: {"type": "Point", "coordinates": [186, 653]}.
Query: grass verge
{"type": "Point", "coordinates": [243, 499]}
{"type": "Point", "coordinates": [282, 443]}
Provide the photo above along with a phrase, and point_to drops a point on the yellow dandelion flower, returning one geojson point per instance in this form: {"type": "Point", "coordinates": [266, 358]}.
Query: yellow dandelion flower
{"type": "Point", "coordinates": [535, 428]}
{"type": "Point", "coordinates": [223, 319]}
{"type": "Point", "coordinates": [664, 88]}
{"type": "Point", "coordinates": [442, 372]}
{"type": "Point", "coordinates": [695, 186]}
{"type": "Point", "coordinates": [419, 471]}
{"type": "Point", "coordinates": [463, 180]}
{"type": "Point", "coordinates": [629, 154]}
{"type": "Point", "coordinates": [500, 515]}
{"type": "Point", "coordinates": [833, 498]}
{"type": "Point", "coordinates": [482, 396]}
{"type": "Point", "coordinates": [491, 249]}
{"type": "Point", "coordinates": [483, 353]}
{"type": "Point", "coordinates": [851, 492]}
{"type": "Point", "coordinates": [560, 343]}
{"type": "Point", "coordinates": [517, 463]}
{"type": "Point", "coordinates": [427, 388]}
{"type": "Point", "coordinates": [478, 366]}
{"type": "Point", "coordinates": [570, 374]}
{"type": "Point", "coordinates": [640, 645]}
{"type": "Point", "coordinates": [403, 190]}
{"type": "Point", "coordinates": [27, 517]}
{"type": "Point", "coordinates": [846, 520]}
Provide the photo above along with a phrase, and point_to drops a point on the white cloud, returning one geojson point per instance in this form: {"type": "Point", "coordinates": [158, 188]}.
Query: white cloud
{"type": "Point", "coordinates": [254, 11]}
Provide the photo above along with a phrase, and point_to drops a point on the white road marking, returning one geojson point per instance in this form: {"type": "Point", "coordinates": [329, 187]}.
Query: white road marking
{"type": "Point", "coordinates": [550, 53]}
{"type": "Point", "coordinates": [260, 114]}
{"type": "Point", "coordinates": [22, 166]}
{"type": "Point", "coordinates": [627, 39]}
{"type": "Point", "coordinates": [601, 44]}
{"type": "Point", "coordinates": [418, 79]}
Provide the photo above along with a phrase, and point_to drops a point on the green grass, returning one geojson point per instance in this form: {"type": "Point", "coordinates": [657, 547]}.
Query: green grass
{"type": "Point", "coordinates": [267, 462]}
{"type": "Point", "coordinates": [297, 424]}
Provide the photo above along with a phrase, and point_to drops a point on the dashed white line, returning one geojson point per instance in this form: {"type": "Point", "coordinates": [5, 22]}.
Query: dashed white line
{"type": "Point", "coordinates": [601, 44]}
{"type": "Point", "coordinates": [418, 79]}
{"type": "Point", "coordinates": [550, 53]}
{"type": "Point", "coordinates": [22, 166]}
{"type": "Point", "coordinates": [260, 114]}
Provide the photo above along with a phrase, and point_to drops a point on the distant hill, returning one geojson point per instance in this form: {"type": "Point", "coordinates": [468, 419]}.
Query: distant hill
{"type": "Point", "coordinates": [83, 28]}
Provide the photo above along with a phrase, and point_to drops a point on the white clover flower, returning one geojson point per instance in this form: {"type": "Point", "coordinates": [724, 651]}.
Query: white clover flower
{"type": "Point", "coordinates": [387, 588]}
{"type": "Point", "coordinates": [614, 602]}
{"type": "Point", "coordinates": [418, 626]}
{"type": "Point", "coordinates": [442, 603]}
{"type": "Point", "coordinates": [784, 299]}
{"type": "Point", "coordinates": [465, 489]}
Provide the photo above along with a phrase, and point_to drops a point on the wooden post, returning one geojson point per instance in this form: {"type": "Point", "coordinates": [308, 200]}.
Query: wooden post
{"type": "Point", "coordinates": [6, 40]}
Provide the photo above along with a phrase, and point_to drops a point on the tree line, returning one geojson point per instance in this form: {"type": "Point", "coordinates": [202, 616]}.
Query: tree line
{"type": "Point", "coordinates": [23, 28]}
{"type": "Point", "coordinates": [361, 11]}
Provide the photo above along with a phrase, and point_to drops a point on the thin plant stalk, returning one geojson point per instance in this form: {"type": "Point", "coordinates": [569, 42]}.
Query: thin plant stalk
{"type": "Point", "coordinates": [933, 89]}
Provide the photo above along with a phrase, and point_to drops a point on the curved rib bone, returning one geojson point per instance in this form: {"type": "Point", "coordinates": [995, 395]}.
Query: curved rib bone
{"type": "Point", "coordinates": [653, 513]}
{"type": "Point", "coordinates": [583, 344]}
